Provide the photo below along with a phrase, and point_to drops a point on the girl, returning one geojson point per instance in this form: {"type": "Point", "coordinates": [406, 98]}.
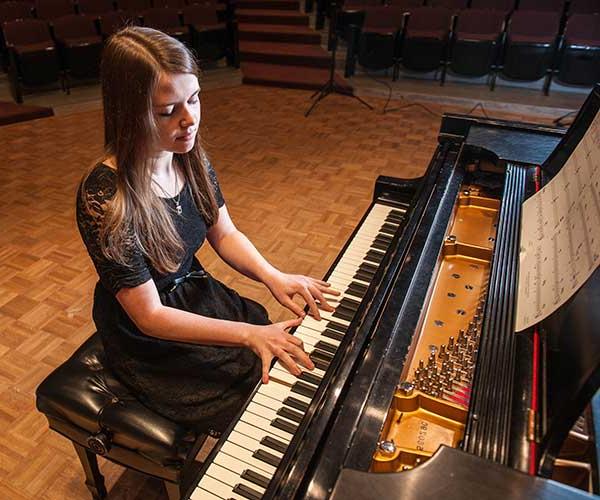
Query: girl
{"type": "Point", "coordinates": [187, 345]}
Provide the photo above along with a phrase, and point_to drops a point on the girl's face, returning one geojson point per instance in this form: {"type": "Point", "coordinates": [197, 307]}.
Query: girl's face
{"type": "Point", "coordinates": [176, 106]}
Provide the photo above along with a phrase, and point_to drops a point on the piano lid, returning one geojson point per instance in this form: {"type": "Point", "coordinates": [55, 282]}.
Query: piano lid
{"type": "Point", "coordinates": [576, 131]}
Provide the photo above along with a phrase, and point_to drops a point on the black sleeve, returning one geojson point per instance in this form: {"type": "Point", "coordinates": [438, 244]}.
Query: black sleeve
{"type": "Point", "coordinates": [98, 190]}
{"type": "Point", "coordinates": [212, 175]}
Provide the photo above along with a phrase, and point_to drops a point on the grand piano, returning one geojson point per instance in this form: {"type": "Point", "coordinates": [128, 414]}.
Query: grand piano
{"type": "Point", "coordinates": [422, 387]}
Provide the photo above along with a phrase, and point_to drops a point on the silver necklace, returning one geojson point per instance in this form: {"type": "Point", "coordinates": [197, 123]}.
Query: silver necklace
{"type": "Point", "coordinates": [177, 198]}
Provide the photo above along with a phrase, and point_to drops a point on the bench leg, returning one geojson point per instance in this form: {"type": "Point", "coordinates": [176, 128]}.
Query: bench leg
{"type": "Point", "coordinates": [173, 492]}
{"type": "Point", "coordinates": [93, 478]}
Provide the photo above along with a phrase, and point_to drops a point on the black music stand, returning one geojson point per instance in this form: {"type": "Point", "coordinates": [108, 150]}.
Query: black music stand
{"type": "Point", "coordinates": [330, 86]}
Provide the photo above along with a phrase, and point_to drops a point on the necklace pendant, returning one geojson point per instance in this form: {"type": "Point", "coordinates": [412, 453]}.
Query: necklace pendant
{"type": "Point", "coordinates": [178, 208]}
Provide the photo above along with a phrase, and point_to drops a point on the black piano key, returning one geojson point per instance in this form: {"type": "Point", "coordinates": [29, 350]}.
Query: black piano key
{"type": "Point", "coordinates": [319, 363]}
{"type": "Point", "coordinates": [311, 378]}
{"type": "Point", "coordinates": [304, 389]}
{"type": "Point", "coordinates": [293, 402]}
{"type": "Point", "coordinates": [349, 303]}
{"type": "Point", "coordinates": [399, 213]}
{"type": "Point", "coordinates": [284, 425]}
{"type": "Point", "coordinates": [332, 334]}
{"type": "Point", "coordinates": [290, 414]}
{"type": "Point", "coordinates": [368, 268]}
{"type": "Point", "coordinates": [256, 478]}
{"type": "Point", "coordinates": [384, 238]}
{"type": "Point", "coordinates": [397, 219]}
{"type": "Point", "coordinates": [325, 356]}
{"type": "Point", "coordinates": [363, 276]}
{"type": "Point", "coordinates": [343, 313]}
{"type": "Point", "coordinates": [274, 444]}
{"type": "Point", "coordinates": [388, 228]}
{"type": "Point", "coordinates": [379, 245]}
{"type": "Point", "coordinates": [374, 256]}
{"type": "Point", "coordinates": [334, 325]}
{"type": "Point", "coordinates": [267, 457]}
{"type": "Point", "coordinates": [325, 346]}
{"type": "Point", "coordinates": [247, 492]}
{"type": "Point", "coordinates": [358, 288]}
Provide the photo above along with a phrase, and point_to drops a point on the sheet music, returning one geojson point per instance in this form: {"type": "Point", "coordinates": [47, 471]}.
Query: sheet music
{"type": "Point", "coordinates": [560, 234]}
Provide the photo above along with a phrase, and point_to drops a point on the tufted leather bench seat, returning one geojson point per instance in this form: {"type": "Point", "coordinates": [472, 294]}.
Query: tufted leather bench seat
{"type": "Point", "coordinates": [84, 402]}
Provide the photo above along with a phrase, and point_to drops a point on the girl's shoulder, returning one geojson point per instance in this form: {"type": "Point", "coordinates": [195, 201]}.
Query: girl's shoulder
{"type": "Point", "coordinates": [101, 181]}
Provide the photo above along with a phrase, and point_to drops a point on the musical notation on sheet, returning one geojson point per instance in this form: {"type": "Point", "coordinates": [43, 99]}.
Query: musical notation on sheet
{"type": "Point", "coordinates": [560, 234]}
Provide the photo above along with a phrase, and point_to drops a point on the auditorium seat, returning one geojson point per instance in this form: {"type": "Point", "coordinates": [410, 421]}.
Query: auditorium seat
{"type": "Point", "coordinates": [425, 39]}
{"type": "Point", "coordinates": [530, 46]}
{"type": "Point", "coordinates": [543, 5]}
{"type": "Point", "coordinates": [454, 5]}
{"type": "Point", "coordinates": [134, 6]}
{"type": "Point", "coordinates": [79, 46]}
{"type": "Point", "coordinates": [177, 4]}
{"type": "Point", "coordinates": [51, 9]}
{"type": "Point", "coordinates": [32, 55]}
{"type": "Point", "coordinates": [584, 7]}
{"type": "Point", "coordinates": [95, 7]}
{"type": "Point", "coordinates": [352, 13]}
{"type": "Point", "coordinates": [167, 20]}
{"type": "Point", "coordinates": [579, 59]}
{"type": "Point", "coordinates": [9, 11]}
{"type": "Point", "coordinates": [209, 36]}
{"type": "Point", "coordinates": [505, 6]}
{"type": "Point", "coordinates": [375, 45]}
{"type": "Point", "coordinates": [111, 22]}
{"type": "Point", "coordinates": [477, 38]}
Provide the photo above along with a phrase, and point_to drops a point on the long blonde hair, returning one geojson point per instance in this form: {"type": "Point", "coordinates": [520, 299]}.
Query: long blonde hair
{"type": "Point", "coordinates": [132, 63]}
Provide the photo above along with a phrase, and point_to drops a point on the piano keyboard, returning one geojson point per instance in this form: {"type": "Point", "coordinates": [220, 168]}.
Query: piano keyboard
{"type": "Point", "coordinates": [249, 457]}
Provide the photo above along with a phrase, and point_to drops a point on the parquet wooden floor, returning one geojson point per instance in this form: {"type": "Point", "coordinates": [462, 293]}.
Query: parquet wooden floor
{"type": "Point", "coordinates": [295, 186]}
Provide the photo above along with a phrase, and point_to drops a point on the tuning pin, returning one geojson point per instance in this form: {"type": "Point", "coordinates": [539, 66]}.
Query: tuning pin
{"type": "Point", "coordinates": [451, 343]}
{"type": "Point", "coordinates": [421, 364]}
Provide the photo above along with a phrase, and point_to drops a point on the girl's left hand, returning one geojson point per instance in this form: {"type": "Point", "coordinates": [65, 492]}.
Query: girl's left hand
{"type": "Point", "coordinates": [284, 288]}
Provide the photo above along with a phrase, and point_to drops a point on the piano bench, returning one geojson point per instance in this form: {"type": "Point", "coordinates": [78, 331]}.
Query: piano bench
{"type": "Point", "coordinates": [84, 402]}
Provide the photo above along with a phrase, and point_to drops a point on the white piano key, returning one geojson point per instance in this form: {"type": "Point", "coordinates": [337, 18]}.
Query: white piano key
{"type": "Point", "coordinates": [202, 494]}
{"type": "Point", "coordinates": [230, 478]}
{"type": "Point", "coordinates": [250, 444]}
{"type": "Point", "coordinates": [220, 489]}
{"type": "Point", "coordinates": [279, 392]}
{"type": "Point", "coordinates": [243, 455]}
{"type": "Point", "coordinates": [263, 423]}
{"type": "Point", "coordinates": [255, 433]}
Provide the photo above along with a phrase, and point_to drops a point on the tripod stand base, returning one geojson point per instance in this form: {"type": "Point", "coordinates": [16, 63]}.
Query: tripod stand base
{"type": "Point", "coordinates": [331, 87]}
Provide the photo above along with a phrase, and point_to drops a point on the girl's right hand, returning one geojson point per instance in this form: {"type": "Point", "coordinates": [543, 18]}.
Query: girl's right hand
{"type": "Point", "coordinates": [273, 341]}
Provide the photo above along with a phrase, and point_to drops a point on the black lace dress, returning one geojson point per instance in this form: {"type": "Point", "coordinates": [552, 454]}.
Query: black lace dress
{"type": "Point", "coordinates": [198, 386]}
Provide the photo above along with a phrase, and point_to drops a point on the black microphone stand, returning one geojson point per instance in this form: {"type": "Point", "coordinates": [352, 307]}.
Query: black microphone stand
{"type": "Point", "coordinates": [330, 86]}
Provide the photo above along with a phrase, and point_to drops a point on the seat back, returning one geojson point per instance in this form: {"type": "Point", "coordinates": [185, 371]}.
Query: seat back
{"type": "Point", "coordinates": [383, 19]}
{"type": "Point", "coordinates": [501, 5]}
{"type": "Point", "coordinates": [162, 17]}
{"type": "Point", "coordinates": [405, 3]}
{"type": "Point", "coordinates": [583, 29]}
{"type": "Point", "coordinates": [473, 22]}
{"type": "Point", "coordinates": [584, 7]}
{"type": "Point", "coordinates": [26, 32]}
{"type": "Point", "coordinates": [74, 26]}
{"type": "Point", "coordinates": [203, 15]}
{"type": "Point", "coordinates": [95, 6]}
{"type": "Point", "coordinates": [9, 11]}
{"type": "Point", "coordinates": [533, 26]}
{"type": "Point", "coordinates": [542, 5]}
{"type": "Point", "coordinates": [111, 22]}
{"type": "Point", "coordinates": [430, 22]}
{"type": "Point", "coordinates": [137, 6]}
{"type": "Point", "coordinates": [178, 4]}
{"type": "Point", "coordinates": [449, 4]}
{"type": "Point", "coordinates": [51, 9]}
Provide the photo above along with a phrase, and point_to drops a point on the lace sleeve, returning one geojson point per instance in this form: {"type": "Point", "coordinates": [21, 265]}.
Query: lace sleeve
{"type": "Point", "coordinates": [212, 175]}
{"type": "Point", "coordinates": [98, 190]}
